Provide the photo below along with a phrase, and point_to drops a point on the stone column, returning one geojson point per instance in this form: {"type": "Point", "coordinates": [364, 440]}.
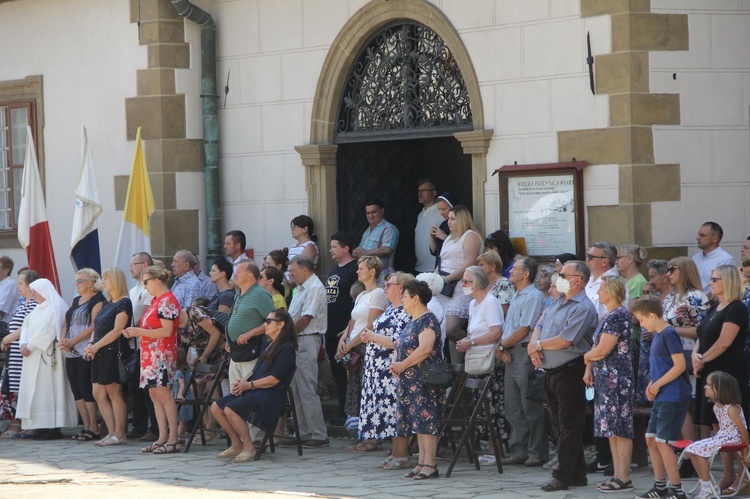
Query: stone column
{"type": "Point", "coordinates": [477, 143]}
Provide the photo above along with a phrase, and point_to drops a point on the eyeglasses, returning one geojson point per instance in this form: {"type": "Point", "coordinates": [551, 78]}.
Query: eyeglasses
{"type": "Point", "coordinates": [137, 263]}
{"type": "Point", "coordinates": [145, 281]}
{"type": "Point", "coordinates": [714, 279]}
{"type": "Point", "coordinates": [270, 320]}
{"type": "Point", "coordinates": [671, 270]}
{"type": "Point", "coordinates": [592, 257]}
{"type": "Point", "coordinates": [565, 276]}
{"type": "Point", "coordinates": [464, 281]}
{"type": "Point", "coordinates": [81, 281]}
{"type": "Point", "coordinates": [389, 284]}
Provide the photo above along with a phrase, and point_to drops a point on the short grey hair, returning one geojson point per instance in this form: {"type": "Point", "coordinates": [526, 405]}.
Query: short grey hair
{"type": "Point", "coordinates": [609, 249]}
{"type": "Point", "coordinates": [531, 266]}
{"type": "Point", "coordinates": [188, 256]}
{"type": "Point", "coordinates": [581, 268]}
{"type": "Point", "coordinates": [434, 281]}
{"type": "Point", "coordinates": [303, 261]}
{"type": "Point", "coordinates": [659, 266]}
{"type": "Point", "coordinates": [481, 280]}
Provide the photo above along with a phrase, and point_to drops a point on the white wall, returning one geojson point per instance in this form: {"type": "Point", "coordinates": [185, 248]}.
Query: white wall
{"type": "Point", "coordinates": [529, 56]}
{"type": "Point", "coordinates": [87, 52]}
{"type": "Point", "coordinates": [712, 143]}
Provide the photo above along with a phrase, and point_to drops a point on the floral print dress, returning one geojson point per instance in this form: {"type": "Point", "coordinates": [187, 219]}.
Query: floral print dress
{"type": "Point", "coordinates": [193, 335]}
{"type": "Point", "coordinates": [686, 312]}
{"type": "Point", "coordinates": [613, 378]}
{"type": "Point", "coordinates": [377, 413]}
{"type": "Point", "coordinates": [159, 355]}
{"type": "Point", "coordinates": [728, 433]}
{"type": "Point", "coordinates": [420, 410]}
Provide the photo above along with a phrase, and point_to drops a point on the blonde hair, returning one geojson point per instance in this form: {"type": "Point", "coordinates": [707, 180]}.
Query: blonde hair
{"type": "Point", "coordinates": [689, 278]}
{"type": "Point", "coordinates": [93, 276]}
{"type": "Point", "coordinates": [464, 221]}
{"type": "Point", "coordinates": [637, 253]}
{"type": "Point", "coordinates": [372, 262]}
{"type": "Point", "coordinates": [614, 286]}
{"type": "Point", "coordinates": [401, 277]}
{"type": "Point", "coordinates": [731, 280]}
{"type": "Point", "coordinates": [158, 272]}
{"type": "Point", "coordinates": [491, 258]}
{"type": "Point", "coordinates": [118, 284]}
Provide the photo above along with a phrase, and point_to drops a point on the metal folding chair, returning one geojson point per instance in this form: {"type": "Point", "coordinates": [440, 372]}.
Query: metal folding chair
{"type": "Point", "coordinates": [202, 403]}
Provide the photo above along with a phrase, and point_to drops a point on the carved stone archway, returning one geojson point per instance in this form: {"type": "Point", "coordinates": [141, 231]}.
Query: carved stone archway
{"type": "Point", "coordinates": [319, 157]}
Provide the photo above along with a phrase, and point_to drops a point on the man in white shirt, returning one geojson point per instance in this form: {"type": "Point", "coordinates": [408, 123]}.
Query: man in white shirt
{"type": "Point", "coordinates": [601, 259]}
{"type": "Point", "coordinates": [234, 247]}
{"type": "Point", "coordinates": [427, 218]}
{"type": "Point", "coordinates": [208, 289]}
{"type": "Point", "coordinates": [309, 310]}
{"type": "Point", "coordinates": [711, 255]}
{"type": "Point", "coordinates": [8, 292]}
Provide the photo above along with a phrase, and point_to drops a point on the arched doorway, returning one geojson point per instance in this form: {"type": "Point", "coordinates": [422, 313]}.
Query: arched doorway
{"type": "Point", "coordinates": [468, 138]}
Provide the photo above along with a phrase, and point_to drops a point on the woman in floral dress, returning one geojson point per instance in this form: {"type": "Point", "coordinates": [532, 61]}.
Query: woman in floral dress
{"type": "Point", "coordinates": [420, 409]}
{"type": "Point", "coordinates": [684, 308]}
{"type": "Point", "coordinates": [158, 333]}
{"type": "Point", "coordinates": [609, 368]}
{"type": "Point", "coordinates": [377, 413]}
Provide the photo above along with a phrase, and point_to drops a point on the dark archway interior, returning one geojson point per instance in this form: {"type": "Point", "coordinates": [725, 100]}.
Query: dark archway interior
{"type": "Point", "coordinates": [389, 170]}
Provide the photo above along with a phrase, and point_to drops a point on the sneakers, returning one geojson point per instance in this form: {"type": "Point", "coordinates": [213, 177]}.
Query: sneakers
{"type": "Point", "coordinates": [675, 495]}
{"type": "Point", "coordinates": [597, 467]}
{"type": "Point", "coordinates": [654, 493]}
{"type": "Point", "coordinates": [316, 444]}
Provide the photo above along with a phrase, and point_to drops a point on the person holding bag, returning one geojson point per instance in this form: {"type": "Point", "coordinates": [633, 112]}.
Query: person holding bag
{"type": "Point", "coordinates": [485, 329]}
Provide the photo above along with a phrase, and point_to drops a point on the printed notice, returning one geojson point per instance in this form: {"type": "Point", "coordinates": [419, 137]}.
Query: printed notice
{"type": "Point", "coordinates": [541, 210]}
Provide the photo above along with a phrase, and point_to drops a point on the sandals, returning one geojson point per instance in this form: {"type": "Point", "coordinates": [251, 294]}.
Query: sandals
{"type": "Point", "coordinates": [413, 473]}
{"type": "Point", "coordinates": [149, 449]}
{"type": "Point", "coordinates": [168, 449]}
{"type": "Point", "coordinates": [244, 457]}
{"type": "Point", "coordinates": [615, 485]}
{"type": "Point", "coordinates": [109, 441]}
{"type": "Point", "coordinates": [366, 446]}
{"type": "Point", "coordinates": [424, 476]}
{"type": "Point", "coordinates": [397, 463]}
{"type": "Point", "coordinates": [228, 453]}
{"type": "Point", "coordinates": [86, 436]}
{"type": "Point", "coordinates": [487, 459]}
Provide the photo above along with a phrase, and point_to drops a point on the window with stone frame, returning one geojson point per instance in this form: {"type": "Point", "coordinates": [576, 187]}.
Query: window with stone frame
{"type": "Point", "coordinates": [14, 119]}
{"type": "Point", "coordinates": [20, 107]}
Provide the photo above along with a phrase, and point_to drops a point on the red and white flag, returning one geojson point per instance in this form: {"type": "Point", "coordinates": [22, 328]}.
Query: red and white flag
{"type": "Point", "coordinates": [33, 227]}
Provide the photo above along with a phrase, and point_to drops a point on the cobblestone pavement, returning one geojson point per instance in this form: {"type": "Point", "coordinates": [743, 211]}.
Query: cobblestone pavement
{"type": "Point", "coordinates": [63, 468]}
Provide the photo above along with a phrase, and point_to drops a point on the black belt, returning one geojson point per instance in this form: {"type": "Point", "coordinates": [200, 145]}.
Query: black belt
{"type": "Point", "coordinates": [573, 363]}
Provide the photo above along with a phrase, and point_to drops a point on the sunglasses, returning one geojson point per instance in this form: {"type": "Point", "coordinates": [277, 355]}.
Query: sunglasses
{"type": "Point", "coordinates": [270, 320]}
{"type": "Point", "coordinates": [671, 270]}
{"type": "Point", "coordinates": [714, 279]}
{"type": "Point", "coordinates": [145, 281]}
{"type": "Point", "coordinates": [565, 276]}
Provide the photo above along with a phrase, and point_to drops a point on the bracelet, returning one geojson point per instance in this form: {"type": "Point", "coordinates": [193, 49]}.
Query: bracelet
{"type": "Point", "coordinates": [252, 385]}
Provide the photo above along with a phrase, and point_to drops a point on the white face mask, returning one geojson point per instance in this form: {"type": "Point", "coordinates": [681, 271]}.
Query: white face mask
{"type": "Point", "coordinates": [563, 285]}
{"type": "Point", "coordinates": [467, 291]}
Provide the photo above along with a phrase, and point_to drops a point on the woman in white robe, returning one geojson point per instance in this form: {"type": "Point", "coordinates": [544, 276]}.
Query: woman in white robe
{"type": "Point", "coordinates": [44, 397]}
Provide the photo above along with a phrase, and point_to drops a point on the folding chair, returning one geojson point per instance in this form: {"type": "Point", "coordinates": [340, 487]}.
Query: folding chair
{"type": "Point", "coordinates": [289, 408]}
{"type": "Point", "coordinates": [464, 406]}
{"type": "Point", "coordinates": [202, 403]}
{"type": "Point", "coordinates": [735, 449]}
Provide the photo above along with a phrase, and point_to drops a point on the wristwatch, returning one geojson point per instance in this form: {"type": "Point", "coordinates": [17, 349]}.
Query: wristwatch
{"type": "Point", "coordinates": [473, 343]}
{"type": "Point", "coordinates": [539, 345]}
{"type": "Point", "coordinates": [501, 347]}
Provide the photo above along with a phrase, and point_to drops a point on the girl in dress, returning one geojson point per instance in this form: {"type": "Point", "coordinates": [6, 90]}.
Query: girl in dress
{"type": "Point", "coordinates": [724, 390]}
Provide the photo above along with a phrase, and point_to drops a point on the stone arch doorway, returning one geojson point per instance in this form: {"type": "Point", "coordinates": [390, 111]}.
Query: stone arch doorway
{"type": "Point", "coordinates": [320, 157]}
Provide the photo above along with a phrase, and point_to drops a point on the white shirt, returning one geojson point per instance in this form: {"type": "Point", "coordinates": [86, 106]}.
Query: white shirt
{"type": "Point", "coordinates": [366, 301]}
{"type": "Point", "coordinates": [8, 298]}
{"type": "Point", "coordinates": [427, 218]}
{"type": "Point", "coordinates": [592, 291]}
{"type": "Point", "coordinates": [141, 300]}
{"type": "Point", "coordinates": [310, 299]}
{"type": "Point", "coordinates": [707, 263]}
{"type": "Point", "coordinates": [483, 316]}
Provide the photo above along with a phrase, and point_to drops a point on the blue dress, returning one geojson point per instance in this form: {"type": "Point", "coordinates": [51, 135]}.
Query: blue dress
{"type": "Point", "coordinates": [420, 409]}
{"type": "Point", "coordinates": [377, 413]}
{"type": "Point", "coordinates": [613, 378]}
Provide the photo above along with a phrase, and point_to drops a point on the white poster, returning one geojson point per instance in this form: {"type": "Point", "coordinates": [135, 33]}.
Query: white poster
{"type": "Point", "coordinates": [541, 210]}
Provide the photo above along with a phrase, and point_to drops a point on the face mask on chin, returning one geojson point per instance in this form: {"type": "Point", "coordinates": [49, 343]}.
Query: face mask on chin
{"type": "Point", "coordinates": [467, 291]}
{"type": "Point", "coordinates": [563, 285]}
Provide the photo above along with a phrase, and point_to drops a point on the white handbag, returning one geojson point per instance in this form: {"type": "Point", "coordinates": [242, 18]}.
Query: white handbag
{"type": "Point", "coordinates": [479, 360]}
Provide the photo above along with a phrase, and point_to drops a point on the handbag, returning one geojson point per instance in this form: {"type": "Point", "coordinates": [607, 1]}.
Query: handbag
{"type": "Point", "coordinates": [449, 287]}
{"type": "Point", "coordinates": [479, 360]}
{"type": "Point", "coordinates": [356, 359]}
{"type": "Point", "coordinates": [535, 391]}
{"type": "Point", "coordinates": [247, 352]}
{"type": "Point", "coordinates": [437, 376]}
{"type": "Point", "coordinates": [129, 368]}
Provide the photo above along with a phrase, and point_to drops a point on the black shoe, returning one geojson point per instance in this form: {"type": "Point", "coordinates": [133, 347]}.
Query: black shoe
{"type": "Point", "coordinates": [553, 485]}
{"type": "Point", "coordinates": [654, 493]}
{"type": "Point", "coordinates": [579, 482]}
{"type": "Point", "coordinates": [133, 434]}
{"type": "Point", "coordinates": [597, 467]}
{"type": "Point", "coordinates": [687, 470]}
{"type": "Point", "coordinates": [673, 494]}
{"type": "Point", "coordinates": [337, 422]}
{"type": "Point", "coordinates": [609, 470]}
{"type": "Point", "coordinates": [49, 434]}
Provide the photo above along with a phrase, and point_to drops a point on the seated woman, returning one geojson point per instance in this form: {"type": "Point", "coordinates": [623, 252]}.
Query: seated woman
{"type": "Point", "coordinates": [259, 399]}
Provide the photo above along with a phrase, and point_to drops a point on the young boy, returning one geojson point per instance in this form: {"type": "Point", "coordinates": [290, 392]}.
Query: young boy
{"type": "Point", "coordinates": [670, 391]}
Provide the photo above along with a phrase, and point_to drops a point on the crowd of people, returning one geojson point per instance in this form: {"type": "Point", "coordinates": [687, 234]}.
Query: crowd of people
{"type": "Point", "coordinates": [583, 328]}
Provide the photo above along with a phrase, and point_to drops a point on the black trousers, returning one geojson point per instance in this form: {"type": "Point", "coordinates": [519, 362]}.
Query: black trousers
{"type": "Point", "coordinates": [338, 371]}
{"type": "Point", "coordinates": [567, 404]}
